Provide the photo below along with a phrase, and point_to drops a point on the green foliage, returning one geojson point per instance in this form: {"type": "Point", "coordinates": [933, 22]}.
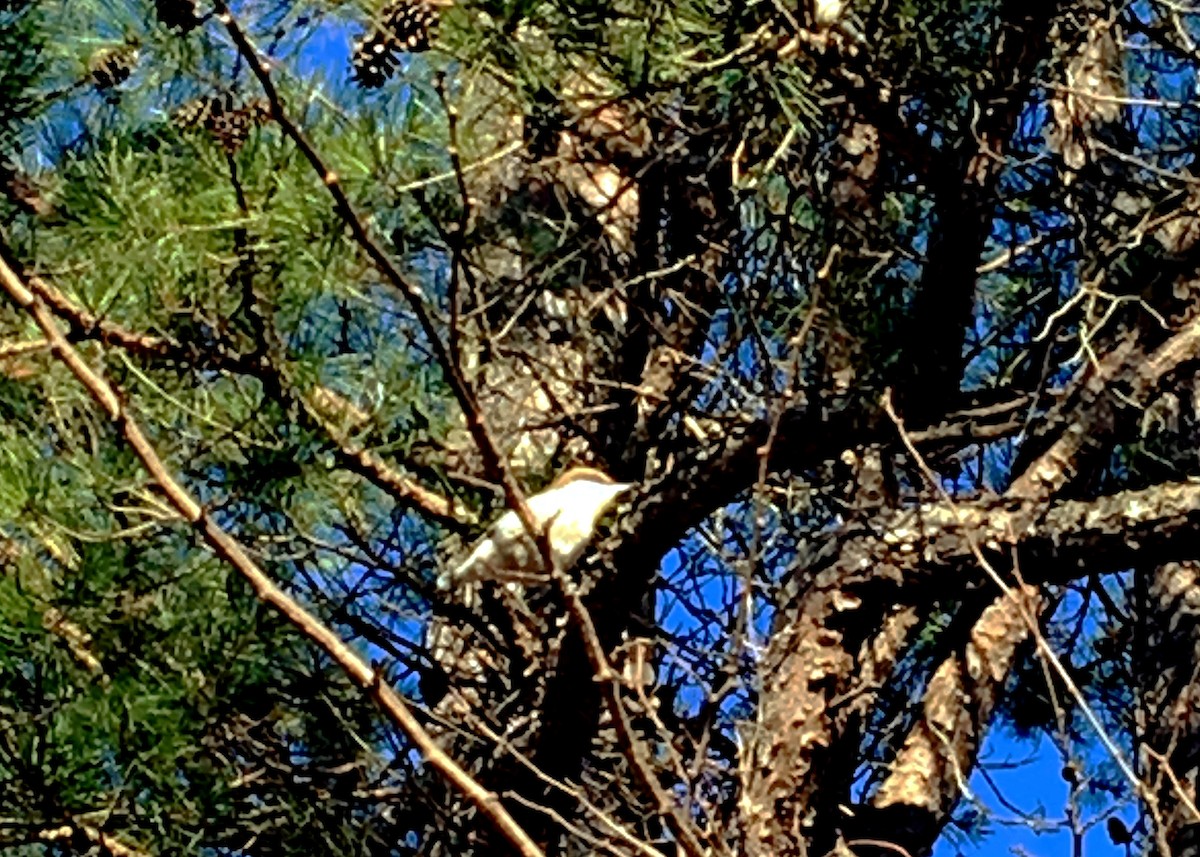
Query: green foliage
{"type": "Point", "coordinates": [139, 680]}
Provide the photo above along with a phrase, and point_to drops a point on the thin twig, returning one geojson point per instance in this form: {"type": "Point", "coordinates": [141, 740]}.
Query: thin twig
{"type": "Point", "coordinates": [610, 685]}
{"type": "Point", "coordinates": [617, 830]}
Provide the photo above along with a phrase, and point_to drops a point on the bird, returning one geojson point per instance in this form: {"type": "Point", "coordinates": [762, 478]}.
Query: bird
{"type": "Point", "coordinates": [567, 511]}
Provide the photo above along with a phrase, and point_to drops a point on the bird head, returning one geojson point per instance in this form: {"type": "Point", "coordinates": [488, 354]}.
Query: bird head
{"type": "Point", "coordinates": [591, 475]}
{"type": "Point", "coordinates": [580, 490]}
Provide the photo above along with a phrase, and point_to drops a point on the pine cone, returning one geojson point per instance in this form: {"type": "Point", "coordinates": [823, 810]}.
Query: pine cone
{"type": "Point", "coordinates": [231, 128]}
{"type": "Point", "coordinates": [181, 15]}
{"type": "Point", "coordinates": [373, 62]}
{"type": "Point", "coordinates": [404, 26]}
{"type": "Point", "coordinates": [228, 122]}
{"type": "Point", "coordinates": [409, 23]}
{"type": "Point", "coordinates": [110, 67]}
{"type": "Point", "coordinates": [198, 112]}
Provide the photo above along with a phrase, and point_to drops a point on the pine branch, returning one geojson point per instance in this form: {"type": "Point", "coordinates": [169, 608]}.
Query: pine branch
{"type": "Point", "coordinates": [230, 550]}
{"type": "Point", "coordinates": [85, 325]}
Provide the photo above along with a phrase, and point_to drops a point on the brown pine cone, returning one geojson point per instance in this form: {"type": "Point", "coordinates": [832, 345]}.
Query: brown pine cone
{"type": "Point", "coordinates": [404, 26]}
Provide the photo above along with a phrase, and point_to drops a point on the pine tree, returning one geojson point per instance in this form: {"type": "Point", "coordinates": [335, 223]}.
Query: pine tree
{"type": "Point", "coordinates": [885, 311]}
